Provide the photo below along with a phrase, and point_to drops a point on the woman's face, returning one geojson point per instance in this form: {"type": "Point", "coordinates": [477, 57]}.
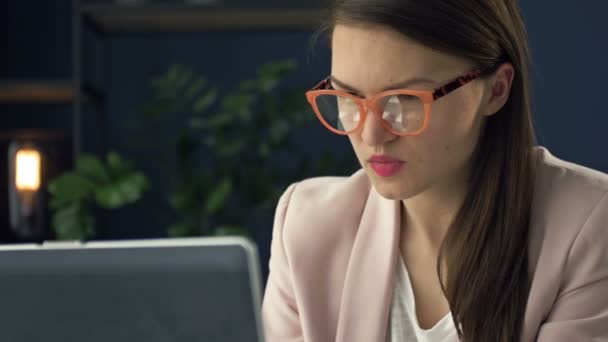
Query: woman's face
{"type": "Point", "coordinates": [370, 59]}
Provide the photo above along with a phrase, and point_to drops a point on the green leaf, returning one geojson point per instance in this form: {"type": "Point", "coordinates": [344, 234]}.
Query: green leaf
{"type": "Point", "coordinates": [115, 161]}
{"type": "Point", "coordinates": [195, 88]}
{"type": "Point", "coordinates": [220, 120]}
{"type": "Point", "coordinates": [133, 186]}
{"type": "Point", "coordinates": [68, 188]}
{"type": "Point", "coordinates": [173, 73]}
{"type": "Point", "coordinates": [125, 191]}
{"type": "Point", "coordinates": [109, 197]}
{"type": "Point", "coordinates": [184, 76]}
{"type": "Point", "coordinates": [236, 103]}
{"type": "Point", "coordinates": [73, 223]}
{"type": "Point", "coordinates": [218, 196]}
{"type": "Point", "coordinates": [277, 69]}
{"type": "Point", "coordinates": [270, 75]}
{"type": "Point", "coordinates": [267, 84]}
{"type": "Point", "coordinates": [245, 115]}
{"type": "Point", "coordinates": [92, 168]}
{"type": "Point", "coordinates": [207, 100]}
{"type": "Point", "coordinates": [117, 166]}
{"type": "Point", "coordinates": [231, 231]}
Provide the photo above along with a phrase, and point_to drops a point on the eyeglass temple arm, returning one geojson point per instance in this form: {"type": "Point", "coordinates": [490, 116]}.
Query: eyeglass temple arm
{"type": "Point", "coordinates": [463, 80]}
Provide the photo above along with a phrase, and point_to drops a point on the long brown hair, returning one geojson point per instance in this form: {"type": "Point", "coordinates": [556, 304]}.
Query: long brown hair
{"type": "Point", "coordinates": [483, 261]}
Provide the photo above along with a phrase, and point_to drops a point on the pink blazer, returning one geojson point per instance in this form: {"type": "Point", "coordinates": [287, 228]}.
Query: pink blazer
{"type": "Point", "coordinates": [335, 245]}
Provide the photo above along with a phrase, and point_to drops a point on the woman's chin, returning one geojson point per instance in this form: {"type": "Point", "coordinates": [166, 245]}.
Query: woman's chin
{"type": "Point", "coordinates": [393, 188]}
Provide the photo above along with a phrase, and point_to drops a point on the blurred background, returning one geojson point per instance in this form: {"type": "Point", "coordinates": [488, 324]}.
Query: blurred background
{"type": "Point", "coordinates": [153, 118]}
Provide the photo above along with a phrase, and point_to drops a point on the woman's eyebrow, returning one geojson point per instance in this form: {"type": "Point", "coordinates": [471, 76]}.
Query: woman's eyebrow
{"type": "Point", "coordinates": [399, 85]}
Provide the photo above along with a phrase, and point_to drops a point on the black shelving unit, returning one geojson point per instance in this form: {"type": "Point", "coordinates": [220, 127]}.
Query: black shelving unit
{"type": "Point", "coordinates": [104, 19]}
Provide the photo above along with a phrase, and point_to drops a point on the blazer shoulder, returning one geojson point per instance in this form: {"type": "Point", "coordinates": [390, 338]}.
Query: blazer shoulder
{"type": "Point", "coordinates": [559, 182]}
{"type": "Point", "coordinates": [560, 175]}
{"type": "Point", "coordinates": [567, 197]}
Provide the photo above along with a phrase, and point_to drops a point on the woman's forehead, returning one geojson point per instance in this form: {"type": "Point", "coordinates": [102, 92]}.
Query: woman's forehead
{"type": "Point", "coordinates": [374, 57]}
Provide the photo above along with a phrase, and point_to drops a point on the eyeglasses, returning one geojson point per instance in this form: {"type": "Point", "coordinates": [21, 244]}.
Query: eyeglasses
{"type": "Point", "coordinates": [402, 112]}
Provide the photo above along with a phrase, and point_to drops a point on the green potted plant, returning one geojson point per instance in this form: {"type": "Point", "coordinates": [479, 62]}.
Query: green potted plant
{"type": "Point", "coordinates": [93, 184]}
{"type": "Point", "coordinates": [247, 137]}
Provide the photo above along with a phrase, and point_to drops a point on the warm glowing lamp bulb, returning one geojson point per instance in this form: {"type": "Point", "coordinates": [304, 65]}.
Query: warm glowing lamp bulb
{"type": "Point", "coordinates": [27, 170]}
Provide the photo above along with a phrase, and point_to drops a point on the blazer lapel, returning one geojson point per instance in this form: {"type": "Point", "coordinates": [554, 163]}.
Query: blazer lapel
{"type": "Point", "coordinates": [369, 283]}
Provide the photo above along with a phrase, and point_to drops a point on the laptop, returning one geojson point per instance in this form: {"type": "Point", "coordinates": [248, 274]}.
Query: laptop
{"type": "Point", "coordinates": [165, 290]}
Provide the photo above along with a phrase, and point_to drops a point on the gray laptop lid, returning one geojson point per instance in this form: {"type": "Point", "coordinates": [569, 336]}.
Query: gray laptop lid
{"type": "Point", "coordinates": [202, 289]}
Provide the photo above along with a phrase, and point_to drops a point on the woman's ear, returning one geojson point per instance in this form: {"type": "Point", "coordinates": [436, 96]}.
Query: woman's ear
{"type": "Point", "coordinates": [498, 89]}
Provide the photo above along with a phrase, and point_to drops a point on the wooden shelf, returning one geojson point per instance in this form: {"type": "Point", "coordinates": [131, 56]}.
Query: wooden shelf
{"type": "Point", "coordinates": [188, 18]}
{"type": "Point", "coordinates": [47, 92]}
{"type": "Point", "coordinates": [36, 92]}
{"type": "Point", "coordinates": [32, 134]}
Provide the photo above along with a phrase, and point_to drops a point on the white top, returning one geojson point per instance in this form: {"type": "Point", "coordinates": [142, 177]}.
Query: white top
{"type": "Point", "coordinates": [403, 323]}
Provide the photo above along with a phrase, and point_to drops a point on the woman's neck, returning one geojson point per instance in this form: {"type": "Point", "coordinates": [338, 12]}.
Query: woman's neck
{"type": "Point", "coordinates": [427, 216]}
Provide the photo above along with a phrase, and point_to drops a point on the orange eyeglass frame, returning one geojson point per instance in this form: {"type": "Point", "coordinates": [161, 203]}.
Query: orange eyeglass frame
{"type": "Point", "coordinates": [426, 96]}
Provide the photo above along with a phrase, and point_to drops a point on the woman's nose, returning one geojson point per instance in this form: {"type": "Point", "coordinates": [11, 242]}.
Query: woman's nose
{"type": "Point", "coordinates": [373, 133]}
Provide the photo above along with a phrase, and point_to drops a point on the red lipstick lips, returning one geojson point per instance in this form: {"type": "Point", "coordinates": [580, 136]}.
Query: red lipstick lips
{"type": "Point", "coordinates": [386, 166]}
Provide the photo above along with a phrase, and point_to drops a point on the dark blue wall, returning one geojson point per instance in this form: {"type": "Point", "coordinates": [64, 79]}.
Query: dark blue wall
{"type": "Point", "coordinates": [35, 39]}
{"type": "Point", "coordinates": [35, 45]}
{"type": "Point", "coordinates": [570, 47]}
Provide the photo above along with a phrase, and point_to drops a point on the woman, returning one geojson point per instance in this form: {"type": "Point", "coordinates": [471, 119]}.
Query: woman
{"type": "Point", "coordinates": [457, 227]}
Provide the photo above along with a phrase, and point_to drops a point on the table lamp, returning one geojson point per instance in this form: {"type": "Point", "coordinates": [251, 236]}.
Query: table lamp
{"type": "Point", "coordinates": [26, 193]}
